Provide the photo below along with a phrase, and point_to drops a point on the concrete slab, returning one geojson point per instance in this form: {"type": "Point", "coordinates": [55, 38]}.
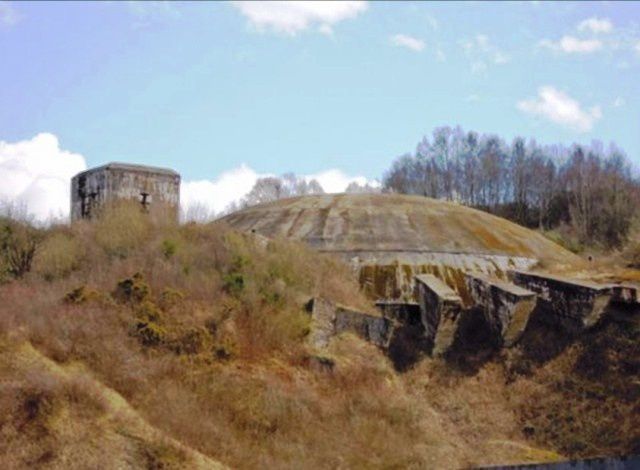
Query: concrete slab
{"type": "Point", "coordinates": [506, 306]}
{"type": "Point", "coordinates": [329, 319]}
{"type": "Point", "coordinates": [440, 309]}
{"type": "Point", "coordinates": [374, 329]}
{"type": "Point", "coordinates": [576, 302]}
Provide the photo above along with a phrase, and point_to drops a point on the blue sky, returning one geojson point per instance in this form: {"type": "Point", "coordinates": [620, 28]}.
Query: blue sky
{"type": "Point", "coordinates": [215, 89]}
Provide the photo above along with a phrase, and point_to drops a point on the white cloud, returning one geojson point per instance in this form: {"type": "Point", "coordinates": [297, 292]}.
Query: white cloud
{"type": "Point", "coordinates": [596, 25]}
{"type": "Point", "coordinates": [325, 29]}
{"type": "Point", "coordinates": [36, 173]}
{"type": "Point", "coordinates": [8, 15]}
{"type": "Point", "coordinates": [296, 16]}
{"type": "Point", "coordinates": [204, 198]}
{"type": "Point", "coordinates": [573, 45]}
{"type": "Point", "coordinates": [336, 181]}
{"type": "Point", "coordinates": [560, 108]}
{"type": "Point", "coordinates": [618, 102]}
{"type": "Point", "coordinates": [409, 42]}
{"type": "Point", "coordinates": [217, 194]}
{"type": "Point", "coordinates": [637, 47]}
{"type": "Point", "coordinates": [482, 51]}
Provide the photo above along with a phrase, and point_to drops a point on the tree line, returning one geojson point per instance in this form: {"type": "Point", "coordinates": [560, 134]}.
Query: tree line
{"type": "Point", "coordinates": [589, 189]}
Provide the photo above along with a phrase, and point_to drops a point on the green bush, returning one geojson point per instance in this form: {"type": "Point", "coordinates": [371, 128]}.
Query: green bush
{"type": "Point", "coordinates": [169, 248]}
{"type": "Point", "coordinates": [233, 283]}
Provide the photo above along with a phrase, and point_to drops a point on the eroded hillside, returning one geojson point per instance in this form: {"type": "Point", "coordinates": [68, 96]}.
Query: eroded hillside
{"type": "Point", "coordinates": [142, 344]}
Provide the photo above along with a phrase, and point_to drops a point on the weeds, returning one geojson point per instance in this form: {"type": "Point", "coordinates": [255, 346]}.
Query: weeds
{"type": "Point", "coordinates": [205, 338]}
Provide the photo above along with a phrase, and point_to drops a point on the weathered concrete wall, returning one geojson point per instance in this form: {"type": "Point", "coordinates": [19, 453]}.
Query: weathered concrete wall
{"type": "Point", "coordinates": [440, 309]}
{"type": "Point", "coordinates": [376, 330]}
{"type": "Point", "coordinates": [506, 307]}
{"type": "Point", "coordinates": [323, 319]}
{"type": "Point", "coordinates": [407, 313]}
{"type": "Point", "coordinates": [392, 275]}
{"type": "Point", "coordinates": [574, 303]}
{"type": "Point", "coordinates": [329, 320]}
{"type": "Point", "coordinates": [153, 188]}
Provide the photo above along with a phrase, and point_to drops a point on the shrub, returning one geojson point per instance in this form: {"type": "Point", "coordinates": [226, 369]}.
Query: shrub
{"type": "Point", "coordinates": [18, 242]}
{"type": "Point", "coordinates": [149, 312]}
{"type": "Point", "coordinates": [150, 333]}
{"type": "Point", "coordinates": [132, 290]}
{"type": "Point", "coordinates": [170, 298]}
{"type": "Point", "coordinates": [169, 248]}
{"type": "Point", "coordinates": [81, 295]}
{"type": "Point", "coordinates": [191, 341]}
{"type": "Point", "coordinates": [233, 283]}
{"type": "Point", "coordinates": [58, 256]}
{"type": "Point", "coordinates": [121, 229]}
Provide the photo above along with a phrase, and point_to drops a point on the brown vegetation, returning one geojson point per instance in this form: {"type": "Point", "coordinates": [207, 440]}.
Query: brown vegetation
{"type": "Point", "coordinates": [182, 346]}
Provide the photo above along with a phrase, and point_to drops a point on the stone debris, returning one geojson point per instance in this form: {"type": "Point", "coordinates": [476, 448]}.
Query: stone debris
{"type": "Point", "coordinates": [506, 307]}
{"type": "Point", "coordinates": [574, 303]}
{"type": "Point", "coordinates": [440, 309]}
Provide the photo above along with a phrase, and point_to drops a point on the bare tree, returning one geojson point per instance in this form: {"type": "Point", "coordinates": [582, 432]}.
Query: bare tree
{"type": "Point", "coordinates": [590, 189]}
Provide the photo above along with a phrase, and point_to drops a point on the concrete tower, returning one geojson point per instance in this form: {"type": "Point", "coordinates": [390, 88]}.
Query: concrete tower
{"type": "Point", "coordinates": [151, 187]}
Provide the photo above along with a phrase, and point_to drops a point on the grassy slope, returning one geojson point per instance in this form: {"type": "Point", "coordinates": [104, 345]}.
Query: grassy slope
{"type": "Point", "coordinates": [204, 357]}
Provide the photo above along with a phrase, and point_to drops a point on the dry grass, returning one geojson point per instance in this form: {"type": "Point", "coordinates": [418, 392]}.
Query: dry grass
{"type": "Point", "coordinates": [203, 356]}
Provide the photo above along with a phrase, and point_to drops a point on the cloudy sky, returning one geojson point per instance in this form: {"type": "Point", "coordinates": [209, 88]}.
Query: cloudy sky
{"type": "Point", "coordinates": [225, 92]}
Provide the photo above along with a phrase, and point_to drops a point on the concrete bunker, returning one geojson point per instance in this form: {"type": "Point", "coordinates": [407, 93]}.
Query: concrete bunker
{"type": "Point", "coordinates": [438, 262]}
{"type": "Point", "coordinates": [391, 238]}
{"type": "Point", "coordinates": [155, 189]}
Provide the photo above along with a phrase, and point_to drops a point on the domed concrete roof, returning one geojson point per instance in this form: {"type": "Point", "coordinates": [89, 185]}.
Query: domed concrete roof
{"type": "Point", "coordinates": [353, 223]}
